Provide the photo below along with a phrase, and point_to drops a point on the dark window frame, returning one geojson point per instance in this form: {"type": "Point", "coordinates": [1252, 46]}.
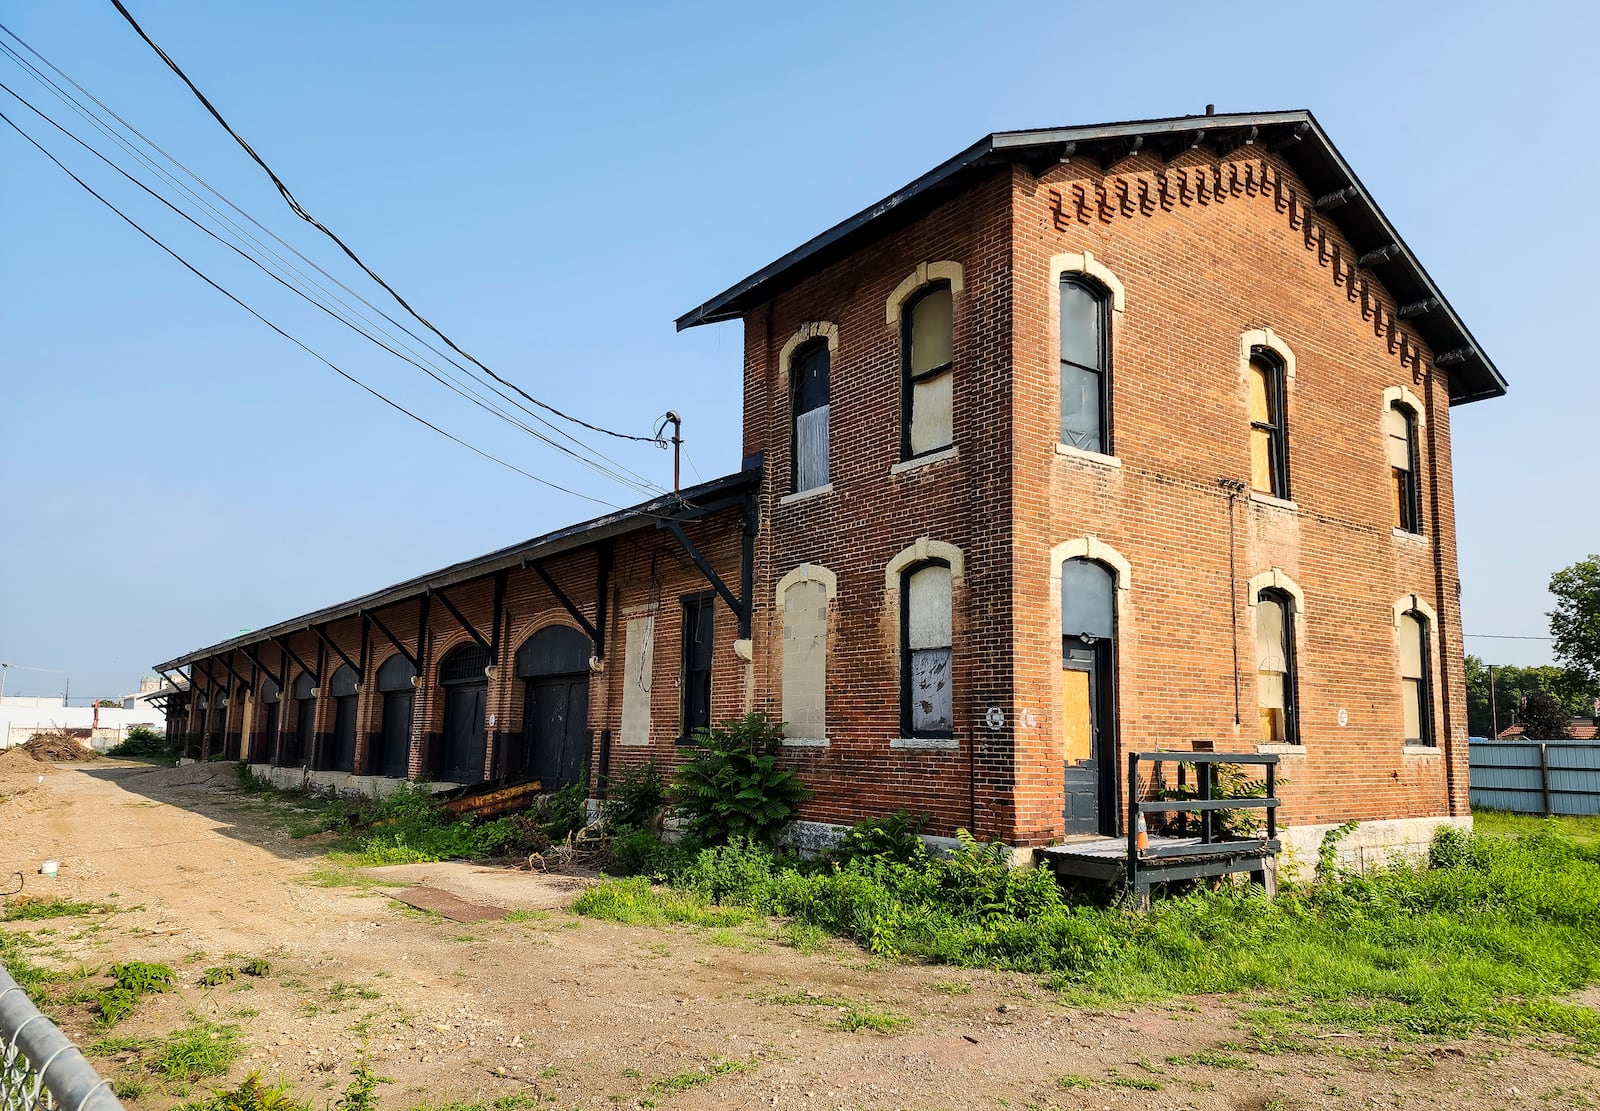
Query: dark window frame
{"type": "Point", "coordinates": [800, 353]}
{"type": "Point", "coordinates": [1411, 483]}
{"type": "Point", "coordinates": [906, 728]}
{"type": "Point", "coordinates": [705, 602]}
{"type": "Point", "coordinates": [1427, 738]}
{"type": "Point", "coordinates": [1291, 669]}
{"type": "Point", "coordinates": [1102, 296]}
{"type": "Point", "coordinates": [908, 381]}
{"type": "Point", "coordinates": [1277, 425]}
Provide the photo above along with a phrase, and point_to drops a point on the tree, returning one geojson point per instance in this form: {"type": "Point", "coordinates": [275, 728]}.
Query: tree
{"type": "Point", "coordinates": [1511, 685]}
{"type": "Point", "coordinates": [109, 703]}
{"type": "Point", "coordinates": [1575, 622]}
{"type": "Point", "coordinates": [1544, 718]}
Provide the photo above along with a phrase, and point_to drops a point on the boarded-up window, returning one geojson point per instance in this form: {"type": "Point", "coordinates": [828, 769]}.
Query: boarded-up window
{"type": "Point", "coordinates": [810, 370]}
{"type": "Point", "coordinates": [1275, 667]}
{"type": "Point", "coordinates": [805, 660]}
{"type": "Point", "coordinates": [1269, 468]}
{"type": "Point", "coordinates": [925, 618]}
{"type": "Point", "coordinates": [639, 655]}
{"type": "Point", "coordinates": [1415, 696]}
{"type": "Point", "coordinates": [1085, 359]}
{"type": "Point", "coordinates": [1400, 441]}
{"type": "Point", "coordinates": [929, 345]}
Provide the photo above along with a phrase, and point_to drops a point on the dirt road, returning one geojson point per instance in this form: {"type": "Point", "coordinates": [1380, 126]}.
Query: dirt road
{"type": "Point", "coordinates": [577, 1013]}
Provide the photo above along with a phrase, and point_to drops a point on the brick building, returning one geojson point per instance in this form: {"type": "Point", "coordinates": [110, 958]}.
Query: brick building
{"type": "Point", "coordinates": [1087, 441]}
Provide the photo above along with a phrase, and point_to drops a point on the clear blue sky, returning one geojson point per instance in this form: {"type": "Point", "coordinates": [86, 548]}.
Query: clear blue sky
{"type": "Point", "coordinates": [554, 184]}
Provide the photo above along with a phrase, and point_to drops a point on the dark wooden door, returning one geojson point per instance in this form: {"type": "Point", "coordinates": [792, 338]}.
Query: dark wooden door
{"type": "Point", "coordinates": [344, 733]}
{"type": "Point", "coordinates": [395, 757]}
{"type": "Point", "coordinates": [269, 737]}
{"type": "Point", "coordinates": [555, 733]}
{"type": "Point", "coordinates": [464, 740]}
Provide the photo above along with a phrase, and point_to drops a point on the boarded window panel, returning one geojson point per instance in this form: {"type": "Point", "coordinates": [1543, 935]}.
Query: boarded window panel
{"type": "Point", "coordinates": [811, 371]}
{"type": "Point", "coordinates": [1411, 699]}
{"type": "Point", "coordinates": [931, 423]}
{"type": "Point", "coordinates": [932, 325]}
{"type": "Point", "coordinates": [928, 617]}
{"type": "Point", "coordinates": [638, 669]}
{"type": "Point", "coordinates": [1261, 473]}
{"type": "Point", "coordinates": [1270, 654]}
{"type": "Point", "coordinates": [811, 449]}
{"type": "Point", "coordinates": [1260, 393]}
{"type": "Point", "coordinates": [931, 691]}
{"type": "Point", "coordinates": [1397, 429]}
{"type": "Point", "coordinates": [1411, 640]}
{"type": "Point", "coordinates": [1081, 408]}
{"type": "Point", "coordinates": [1076, 718]}
{"type": "Point", "coordinates": [1081, 323]}
{"type": "Point", "coordinates": [1400, 494]}
{"type": "Point", "coordinates": [1273, 727]}
{"type": "Point", "coordinates": [805, 660]}
{"type": "Point", "coordinates": [1086, 599]}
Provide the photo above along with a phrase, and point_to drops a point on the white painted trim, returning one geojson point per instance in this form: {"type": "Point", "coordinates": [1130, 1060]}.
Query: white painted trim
{"type": "Point", "coordinates": [806, 495]}
{"type": "Point", "coordinates": [809, 572]}
{"type": "Point", "coordinates": [924, 273]}
{"type": "Point", "coordinates": [1095, 458]}
{"type": "Point", "coordinates": [1405, 397]}
{"type": "Point", "coordinates": [1275, 503]}
{"type": "Point", "coordinates": [919, 551]}
{"type": "Point", "coordinates": [928, 460]}
{"type": "Point", "coordinates": [925, 744]}
{"type": "Point", "coordinates": [1265, 337]}
{"type": "Point", "coordinates": [1089, 266]}
{"type": "Point", "coordinates": [1277, 579]}
{"type": "Point", "coordinates": [816, 329]}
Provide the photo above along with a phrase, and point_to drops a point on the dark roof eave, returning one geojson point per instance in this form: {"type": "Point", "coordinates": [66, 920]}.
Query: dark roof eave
{"type": "Point", "coordinates": [570, 538]}
{"type": "Point", "coordinates": [1474, 379]}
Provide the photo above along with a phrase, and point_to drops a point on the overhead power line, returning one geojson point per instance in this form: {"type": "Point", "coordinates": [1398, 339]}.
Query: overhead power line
{"type": "Point", "coordinates": [295, 206]}
{"type": "Point", "coordinates": [292, 339]}
{"type": "Point", "coordinates": [1498, 636]}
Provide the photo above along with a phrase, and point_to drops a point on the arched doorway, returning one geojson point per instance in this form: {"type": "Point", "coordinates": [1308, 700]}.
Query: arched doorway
{"type": "Point", "coordinates": [464, 676]}
{"type": "Point", "coordinates": [218, 728]}
{"type": "Point", "coordinates": [344, 687]}
{"type": "Point", "coordinates": [553, 665]}
{"type": "Point", "coordinates": [1088, 706]}
{"type": "Point", "coordinates": [270, 695]}
{"type": "Point", "coordinates": [397, 685]}
{"type": "Point", "coordinates": [297, 745]}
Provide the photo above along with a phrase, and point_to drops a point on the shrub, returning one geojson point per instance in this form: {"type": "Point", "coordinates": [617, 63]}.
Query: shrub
{"type": "Point", "coordinates": [143, 741]}
{"type": "Point", "coordinates": [633, 796]}
{"type": "Point", "coordinates": [896, 837]}
{"type": "Point", "coordinates": [732, 787]}
{"type": "Point", "coordinates": [252, 1094]}
{"type": "Point", "coordinates": [129, 983]}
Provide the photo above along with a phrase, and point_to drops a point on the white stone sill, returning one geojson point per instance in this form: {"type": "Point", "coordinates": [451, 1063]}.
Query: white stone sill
{"type": "Point", "coordinates": [926, 744]}
{"type": "Point", "coordinates": [805, 742]}
{"type": "Point", "coordinates": [928, 460]}
{"type": "Point", "coordinates": [1424, 750]}
{"type": "Point", "coordinates": [1283, 750]}
{"type": "Point", "coordinates": [806, 495]}
{"type": "Point", "coordinates": [1094, 458]}
{"type": "Point", "coordinates": [1418, 538]}
{"type": "Point", "coordinates": [1276, 503]}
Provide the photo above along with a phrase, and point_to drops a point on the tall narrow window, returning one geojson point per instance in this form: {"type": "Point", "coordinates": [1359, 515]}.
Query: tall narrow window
{"type": "Point", "coordinates": [697, 654]}
{"type": "Point", "coordinates": [1085, 364]}
{"type": "Point", "coordinates": [1269, 456]}
{"type": "Point", "coordinates": [1275, 681]}
{"type": "Point", "coordinates": [1416, 693]}
{"type": "Point", "coordinates": [926, 705]}
{"type": "Point", "coordinates": [928, 344]}
{"type": "Point", "coordinates": [805, 660]}
{"type": "Point", "coordinates": [809, 370]}
{"type": "Point", "coordinates": [1400, 437]}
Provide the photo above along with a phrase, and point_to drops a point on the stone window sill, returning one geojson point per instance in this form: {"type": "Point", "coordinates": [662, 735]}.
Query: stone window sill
{"type": "Point", "coordinates": [806, 495]}
{"type": "Point", "coordinates": [936, 744]}
{"type": "Point", "coordinates": [805, 742]}
{"type": "Point", "coordinates": [1413, 537]}
{"type": "Point", "coordinates": [924, 460]}
{"type": "Point", "coordinates": [1423, 750]}
{"type": "Point", "coordinates": [1078, 455]}
{"type": "Point", "coordinates": [1283, 750]}
{"type": "Point", "coordinates": [1276, 503]}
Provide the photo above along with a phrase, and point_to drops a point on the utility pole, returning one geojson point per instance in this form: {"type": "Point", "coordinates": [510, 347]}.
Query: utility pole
{"type": "Point", "coordinates": [676, 421]}
{"type": "Point", "coordinates": [1494, 711]}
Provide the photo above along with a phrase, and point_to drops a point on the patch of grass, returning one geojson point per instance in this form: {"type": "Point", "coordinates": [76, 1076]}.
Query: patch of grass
{"type": "Point", "coordinates": [112, 1044]}
{"type": "Point", "coordinates": [196, 1052]}
{"type": "Point", "coordinates": [1134, 1083]}
{"type": "Point", "coordinates": [807, 999]}
{"type": "Point", "coordinates": [633, 902]}
{"type": "Point", "coordinates": [216, 976]}
{"type": "Point", "coordinates": [863, 1018]}
{"type": "Point", "coordinates": [951, 987]}
{"type": "Point", "coordinates": [806, 937]}
{"type": "Point", "coordinates": [334, 875]}
{"type": "Point", "coordinates": [130, 982]}
{"type": "Point", "coordinates": [1211, 1060]}
{"type": "Point", "coordinates": [1583, 831]}
{"type": "Point", "coordinates": [26, 909]}
{"type": "Point", "coordinates": [686, 1080]}
{"type": "Point", "coordinates": [526, 915]}
{"type": "Point", "coordinates": [1072, 1082]}
{"type": "Point", "coordinates": [252, 1094]}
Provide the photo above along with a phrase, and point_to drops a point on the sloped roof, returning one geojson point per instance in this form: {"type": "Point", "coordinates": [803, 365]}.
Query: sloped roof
{"type": "Point", "coordinates": [1294, 135]}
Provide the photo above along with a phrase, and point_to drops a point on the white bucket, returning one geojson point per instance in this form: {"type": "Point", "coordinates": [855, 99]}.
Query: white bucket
{"type": "Point", "coordinates": [48, 868]}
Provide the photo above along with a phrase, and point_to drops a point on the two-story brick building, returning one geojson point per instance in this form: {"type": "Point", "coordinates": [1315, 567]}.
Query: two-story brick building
{"type": "Point", "coordinates": [1088, 440]}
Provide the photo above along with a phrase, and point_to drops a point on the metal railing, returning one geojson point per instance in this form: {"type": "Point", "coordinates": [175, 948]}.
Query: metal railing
{"type": "Point", "coordinates": [40, 1069]}
{"type": "Point", "coordinates": [1208, 800]}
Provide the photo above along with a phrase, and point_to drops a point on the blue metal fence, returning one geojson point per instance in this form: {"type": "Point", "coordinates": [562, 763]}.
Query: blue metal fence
{"type": "Point", "coordinates": [1536, 777]}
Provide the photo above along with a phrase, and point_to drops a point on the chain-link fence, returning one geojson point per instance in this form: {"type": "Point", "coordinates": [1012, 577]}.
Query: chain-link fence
{"type": "Point", "coordinates": [40, 1070]}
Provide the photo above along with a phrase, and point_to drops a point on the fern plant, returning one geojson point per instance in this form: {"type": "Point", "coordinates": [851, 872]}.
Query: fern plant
{"type": "Point", "coordinates": [732, 785]}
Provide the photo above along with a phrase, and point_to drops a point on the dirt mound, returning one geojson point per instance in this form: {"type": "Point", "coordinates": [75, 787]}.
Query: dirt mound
{"type": "Point", "coordinates": [57, 747]}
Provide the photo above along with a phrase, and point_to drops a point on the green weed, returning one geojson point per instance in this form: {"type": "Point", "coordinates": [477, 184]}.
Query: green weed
{"type": "Point", "coordinates": [26, 909]}
{"type": "Point", "coordinates": [862, 1018]}
{"type": "Point", "coordinates": [196, 1052]}
{"type": "Point", "coordinates": [130, 982]}
{"type": "Point", "coordinates": [253, 1094]}
{"type": "Point", "coordinates": [633, 902]}
{"type": "Point", "coordinates": [686, 1080]}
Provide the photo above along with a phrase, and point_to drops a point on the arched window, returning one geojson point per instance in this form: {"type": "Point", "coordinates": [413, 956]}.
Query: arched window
{"type": "Point", "coordinates": [1400, 438]}
{"type": "Point", "coordinates": [1416, 688]}
{"type": "Point", "coordinates": [926, 694]}
{"type": "Point", "coordinates": [1085, 364]}
{"type": "Point", "coordinates": [1269, 445]}
{"type": "Point", "coordinates": [467, 664]}
{"type": "Point", "coordinates": [928, 344]}
{"type": "Point", "coordinates": [809, 370]}
{"type": "Point", "coordinates": [1275, 677]}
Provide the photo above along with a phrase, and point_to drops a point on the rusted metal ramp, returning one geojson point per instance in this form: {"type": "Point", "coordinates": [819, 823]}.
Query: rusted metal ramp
{"type": "Point", "coordinates": [1138, 863]}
